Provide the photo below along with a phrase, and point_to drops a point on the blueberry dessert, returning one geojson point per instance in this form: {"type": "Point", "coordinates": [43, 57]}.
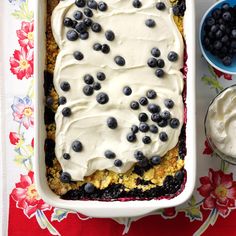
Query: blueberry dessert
{"type": "Point", "coordinates": [114, 115]}
{"type": "Point", "coordinates": [219, 33]}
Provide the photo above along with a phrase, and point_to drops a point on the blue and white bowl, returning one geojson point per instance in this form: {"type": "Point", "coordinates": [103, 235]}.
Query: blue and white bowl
{"type": "Point", "coordinates": [211, 59]}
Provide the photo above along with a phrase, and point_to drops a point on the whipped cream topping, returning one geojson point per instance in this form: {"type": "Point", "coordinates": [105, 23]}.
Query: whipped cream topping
{"type": "Point", "coordinates": [221, 122]}
{"type": "Point", "coordinates": [133, 41]}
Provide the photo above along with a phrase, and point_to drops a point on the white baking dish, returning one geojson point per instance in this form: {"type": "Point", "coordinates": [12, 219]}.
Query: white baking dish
{"type": "Point", "coordinates": [116, 208]}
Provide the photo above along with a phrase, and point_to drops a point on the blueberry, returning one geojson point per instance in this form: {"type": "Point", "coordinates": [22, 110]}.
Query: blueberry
{"type": "Point", "coordinates": [84, 35]}
{"type": "Point", "coordinates": [134, 129]}
{"type": "Point", "coordinates": [210, 21]}
{"type": "Point", "coordinates": [151, 94]}
{"type": "Point", "coordinates": [174, 123]}
{"type": "Point", "coordinates": [61, 100]}
{"type": "Point", "coordinates": [162, 123]}
{"type": "Point", "coordinates": [156, 160]}
{"type": "Point", "coordinates": [88, 12]}
{"type": "Point", "coordinates": [172, 56]}
{"type": "Point", "coordinates": [165, 115]}
{"type": "Point", "coordinates": [65, 177]}
{"type": "Point", "coordinates": [214, 28]}
{"type": "Point", "coordinates": [163, 136]}
{"type": "Point", "coordinates": [68, 22]}
{"type": "Point", "coordinates": [102, 6]}
{"type": "Point", "coordinates": [127, 90]}
{"type": "Point", "coordinates": [155, 52]}
{"type": "Point", "coordinates": [134, 105]}
{"type": "Point", "coordinates": [78, 15]}
{"type": "Point", "coordinates": [219, 34]}
{"type": "Point", "coordinates": [227, 16]}
{"type": "Point", "coordinates": [102, 98]}
{"type": "Point", "coordinates": [74, 23]}
{"type": "Point", "coordinates": [78, 55]}
{"type": "Point", "coordinates": [137, 4]}
{"type": "Point", "coordinates": [101, 76]}
{"type": "Point", "coordinates": [143, 127]}
{"type": "Point", "coordinates": [153, 108]}
{"type": "Point", "coordinates": [112, 123]}
{"type": "Point", "coordinates": [216, 14]}
{"type": "Point", "coordinates": [97, 46]}
{"type": "Point", "coordinates": [233, 33]}
{"type": "Point", "coordinates": [225, 6]}
{"type": "Point", "coordinates": [105, 49]}
{"type": "Point", "coordinates": [88, 79]}
{"type": "Point", "coordinates": [96, 86]}
{"type": "Point", "coordinates": [109, 154]}
{"type": "Point", "coordinates": [150, 23]}
{"type": "Point", "coordinates": [65, 86]}
{"type": "Point", "coordinates": [96, 27]}
{"type": "Point", "coordinates": [92, 4]}
{"type": "Point", "coordinates": [160, 6]}
{"type": "Point", "coordinates": [142, 117]}
{"type": "Point", "coordinates": [120, 61]}
{"type": "Point", "coordinates": [160, 63]}
{"type": "Point", "coordinates": [146, 140]}
{"type": "Point", "coordinates": [153, 129]}
{"type": "Point", "coordinates": [233, 44]}
{"type": "Point", "coordinates": [144, 162]}
{"type": "Point", "coordinates": [138, 155]}
{"type": "Point", "coordinates": [72, 35]}
{"type": "Point", "coordinates": [131, 137]}
{"type": "Point", "coordinates": [88, 90]}
{"type": "Point", "coordinates": [77, 146]}
{"type": "Point", "coordinates": [152, 62]}
{"type": "Point", "coordinates": [118, 163]}
{"type": "Point", "coordinates": [66, 112]}
{"type": "Point", "coordinates": [87, 21]}
{"type": "Point", "coordinates": [66, 156]}
{"type": "Point", "coordinates": [159, 73]}
{"type": "Point", "coordinates": [49, 145]}
{"type": "Point", "coordinates": [169, 103]}
{"type": "Point", "coordinates": [89, 188]}
{"type": "Point", "coordinates": [143, 101]}
{"type": "Point", "coordinates": [80, 3]}
{"type": "Point", "coordinates": [179, 175]}
{"type": "Point", "coordinates": [156, 117]}
{"type": "Point", "coordinates": [222, 28]}
{"type": "Point", "coordinates": [227, 60]}
{"type": "Point", "coordinates": [176, 10]}
{"type": "Point", "coordinates": [110, 36]}
{"type": "Point", "coordinates": [81, 27]}
{"type": "Point", "coordinates": [49, 101]}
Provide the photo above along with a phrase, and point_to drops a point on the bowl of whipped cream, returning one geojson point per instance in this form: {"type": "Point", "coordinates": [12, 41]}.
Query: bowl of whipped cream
{"type": "Point", "coordinates": [220, 124]}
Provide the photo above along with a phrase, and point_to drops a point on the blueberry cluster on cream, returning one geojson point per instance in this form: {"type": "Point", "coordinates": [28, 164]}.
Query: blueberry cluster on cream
{"type": "Point", "coordinates": [119, 83]}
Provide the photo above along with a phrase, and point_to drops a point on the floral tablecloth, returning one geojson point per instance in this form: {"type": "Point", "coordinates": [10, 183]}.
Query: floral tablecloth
{"type": "Point", "coordinates": [211, 210]}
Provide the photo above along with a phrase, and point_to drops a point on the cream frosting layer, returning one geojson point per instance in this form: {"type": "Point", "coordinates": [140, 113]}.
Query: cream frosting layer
{"type": "Point", "coordinates": [221, 122]}
{"type": "Point", "coordinates": [134, 41]}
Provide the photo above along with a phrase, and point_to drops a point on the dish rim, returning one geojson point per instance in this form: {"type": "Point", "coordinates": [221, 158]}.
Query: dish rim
{"type": "Point", "coordinates": [111, 208]}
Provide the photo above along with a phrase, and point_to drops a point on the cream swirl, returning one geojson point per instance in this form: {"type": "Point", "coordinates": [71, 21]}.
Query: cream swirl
{"type": "Point", "coordinates": [221, 122]}
{"type": "Point", "coordinates": [134, 41]}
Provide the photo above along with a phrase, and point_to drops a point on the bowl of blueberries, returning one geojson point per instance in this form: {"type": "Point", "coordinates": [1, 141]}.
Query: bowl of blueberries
{"type": "Point", "coordinates": [218, 36]}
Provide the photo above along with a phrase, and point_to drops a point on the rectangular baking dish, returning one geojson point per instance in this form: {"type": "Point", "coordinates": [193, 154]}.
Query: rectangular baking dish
{"type": "Point", "coordinates": [115, 208]}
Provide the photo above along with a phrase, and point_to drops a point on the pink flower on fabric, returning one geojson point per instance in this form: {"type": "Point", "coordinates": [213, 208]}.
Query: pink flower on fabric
{"type": "Point", "coordinates": [26, 34]}
{"type": "Point", "coordinates": [219, 74]}
{"type": "Point", "coordinates": [219, 191]}
{"type": "Point", "coordinates": [14, 138]}
{"type": "Point", "coordinates": [22, 63]}
{"type": "Point", "coordinates": [23, 111]}
{"type": "Point", "coordinates": [26, 196]}
{"type": "Point", "coordinates": [207, 150]}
